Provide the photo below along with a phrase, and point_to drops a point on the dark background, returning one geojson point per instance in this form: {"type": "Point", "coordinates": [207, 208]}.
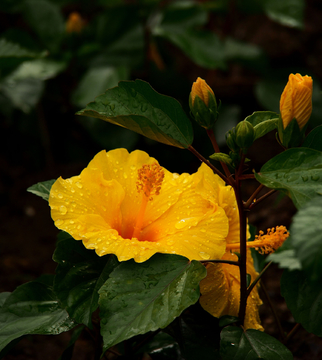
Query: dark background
{"type": "Point", "coordinates": [49, 141]}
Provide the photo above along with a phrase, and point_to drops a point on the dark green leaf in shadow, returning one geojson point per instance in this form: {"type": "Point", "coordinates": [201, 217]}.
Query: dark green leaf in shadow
{"type": "Point", "coordinates": [42, 189]}
{"type": "Point", "coordinates": [136, 106]}
{"type": "Point", "coordinates": [8, 49]}
{"type": "Point", "coordinates": [142, 297]}
{"type": "Point", "coordinates": [32, 308]}
{"type": "Point", "coordinates": [251, 345]}
{"type": "Point", "coordinates": [297, 172]}
{"type": "Point", "coordinates": [79, 275]}
{"type": "Point", "coordinates": [45, 19]}
{"type": "Point", "coordinates": [197, 333]}
{"type": "Point", "coordinates": [96, 80]}
{"type": "Point", "coordinates": [304, 299]}
{"type": "Point", "coordinates": [306, 238]}
{"type": "Point", "coordinates": [286, 12]}
{"type": "Point", "coordinates": [314, 139]}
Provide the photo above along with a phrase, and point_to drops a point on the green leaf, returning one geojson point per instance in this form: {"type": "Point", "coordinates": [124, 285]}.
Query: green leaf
{"type": "Point", "coordinates": [286, 12]}
{"type": "Point", "coordinates": [32, 308]}
{"type": "Point", "coordinates": [138, 298]}
{"type": "Point", "coordinates": [41, 69]}
{"type": "Point", "coordinates": [263, 122]}
{"type": "Point", "coordinates": [222, 157]}
{"type": "Point", "coordinates": [251, 345]}
{"type": "Point", "coordinates": [9, 49]}
{"type": "Point", "coordinates": [162, 346]}
{"type": "Point", "coordinates": [306, 238]}
{"type": "Point", "coordinates": [79, 275]}
{"type": "Point", "coordinates": [304, 299]}
{"type": "Point", "coordinates": [42, 189]}
{"type": "Point", "coordinates": [136, 106]}
{"type": "Point", "coordinates": [24, 94]}
{"type": "Point", "coordinates": [286, 259]}
{"type": "Point", "coordinates": [197, 334]}
{"type": "Point", "coordinates": [96, 80]}
{"type": "Point", "coordinates": [296, 172]}
{"type": "Point", "coordinates": [313, 140]}
{"type": "Point", "coordinates": [202, 47]}
{"type": "Point", "coordinates": [3, 297]}
{"type": "Point", "coordinates": [45, 19]}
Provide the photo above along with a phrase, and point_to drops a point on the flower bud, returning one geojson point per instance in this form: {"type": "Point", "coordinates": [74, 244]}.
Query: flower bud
{"type": "Point", "coordinates": [296, 100]}
{"type": "Point", "coordinates": [245, 135]}
{"type": "Point", "coordinates": [231, 140]}
{"type": "Point", "coordinates": [203, 104]}
{"type": "Point", "coordinates": [74, 23]}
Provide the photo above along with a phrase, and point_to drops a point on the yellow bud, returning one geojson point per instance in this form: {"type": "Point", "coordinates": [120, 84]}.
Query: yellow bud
{"type": "Point", "coordinates": [201, 88]}
{"type": "Point", "coordinates": [74, 23]}
{"type": "Point", "coordinates": [296, 100]}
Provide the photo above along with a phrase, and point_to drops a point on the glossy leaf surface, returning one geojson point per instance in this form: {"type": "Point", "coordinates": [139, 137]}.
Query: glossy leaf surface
{"type": "Point", "coordinates": [297, 172]}
{"type": "Point", "coordinates": [251, 345]}
{"type": "Point", "coordinates": [79, 275]}
{"type": "Point", "coordinates": [313, 140]}
{"type": "Point", "coordinates": [142, 297]}
{"type": "Point", "coordinates": [304, 299]}
{"type": "Point", "coordinates": [32, 308]}
{"type": "Point", "coordinates": [136, 106]}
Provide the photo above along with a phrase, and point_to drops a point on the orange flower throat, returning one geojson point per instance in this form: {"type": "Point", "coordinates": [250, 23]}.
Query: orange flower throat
{"type": "Point", "coordinates": [149, 182]}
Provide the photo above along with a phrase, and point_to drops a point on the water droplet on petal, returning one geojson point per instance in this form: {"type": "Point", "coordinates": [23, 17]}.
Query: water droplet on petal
{"type": "Point", "coordinates": [59, 222]}
{"type": "Point", "coordinates": [125, 175]}
{"type": "Point", "coordinates": [79, 185]}
{"type": "Point", "coordinates": [63, 210]}
{"type": "Point", "coordinates": [60, 195]}
{"type": "Point", "coordinates": [204, 255]}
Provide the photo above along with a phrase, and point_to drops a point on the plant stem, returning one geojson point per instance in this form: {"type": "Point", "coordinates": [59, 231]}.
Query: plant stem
{"type": "Point", "coordinates": [230, 262]}
{"type": "Point", "coordinates": [207, 162]}
{"type": "Point", "coordinates": [212, 138]}
{"type": "Point", "coordinates": [281, 331]}
{"type": "Point", "coordinates": [291, 333]}
{"type": "Point", "coordinates": [253, 284]}
{"type": "Point", "coordinates": [243, 247]}
{"type": "Point", "coordinates": [269, 193]}
{"type": "Point", "coordinates": [252, 197]}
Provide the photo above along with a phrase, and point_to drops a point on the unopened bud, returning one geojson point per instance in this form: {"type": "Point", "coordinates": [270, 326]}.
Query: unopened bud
{"type": "Point", "coordinates": [245, 135]}
{"type": "Point", "coordinates": [203, 104]}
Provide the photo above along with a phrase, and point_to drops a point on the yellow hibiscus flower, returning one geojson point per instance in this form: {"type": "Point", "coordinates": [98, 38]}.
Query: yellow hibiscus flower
{"type": "Point", "coordinates": [220, 291]}
{"type": "Point", "coordinates": [128, 205]}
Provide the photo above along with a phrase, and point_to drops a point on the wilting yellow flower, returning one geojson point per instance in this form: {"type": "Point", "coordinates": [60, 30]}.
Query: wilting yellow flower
{"type": "Point", "coordinates": [128, 205]}
{"type": "Point", "coordinates": [201, 88]}
{"type": "Point", "coordinates": [296, 100]}
{"type": "Point", "coordinates": [220, 291]}
{"type": "Point", "coordinates": [74, 23]}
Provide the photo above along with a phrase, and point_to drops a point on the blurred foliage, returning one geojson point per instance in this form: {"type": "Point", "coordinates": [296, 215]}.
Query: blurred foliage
{"type": "Point", "coordinates": [56, 56]}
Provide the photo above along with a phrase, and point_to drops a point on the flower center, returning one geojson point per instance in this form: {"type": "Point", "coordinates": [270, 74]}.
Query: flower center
{"type": "Point", "coordinates": [265, 244]}
{"type": "Point", "coordinates": [149, 183]}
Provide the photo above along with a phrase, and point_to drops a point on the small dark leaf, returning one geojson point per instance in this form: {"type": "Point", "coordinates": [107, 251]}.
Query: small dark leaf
{"type": "Point", "coordinates": [313, 140]}
{"type": "Point", "coordinates": [42, 189]}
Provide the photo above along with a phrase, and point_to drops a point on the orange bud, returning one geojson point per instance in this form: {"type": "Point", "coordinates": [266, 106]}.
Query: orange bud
{"type": "Point", "coordinates": [201, 88]}
{"type": "Point", "coordinates": [296, 100]}
{"type": "Point", "coordinates": [74, 23]}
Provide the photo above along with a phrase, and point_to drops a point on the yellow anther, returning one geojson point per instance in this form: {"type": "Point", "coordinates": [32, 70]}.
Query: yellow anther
{"type": "Point", "coordinates": [265, 244]}
{"type": "Point", "coordinates": [150, 179]}
{"type": "Point", "coordinates": [149, 183]}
